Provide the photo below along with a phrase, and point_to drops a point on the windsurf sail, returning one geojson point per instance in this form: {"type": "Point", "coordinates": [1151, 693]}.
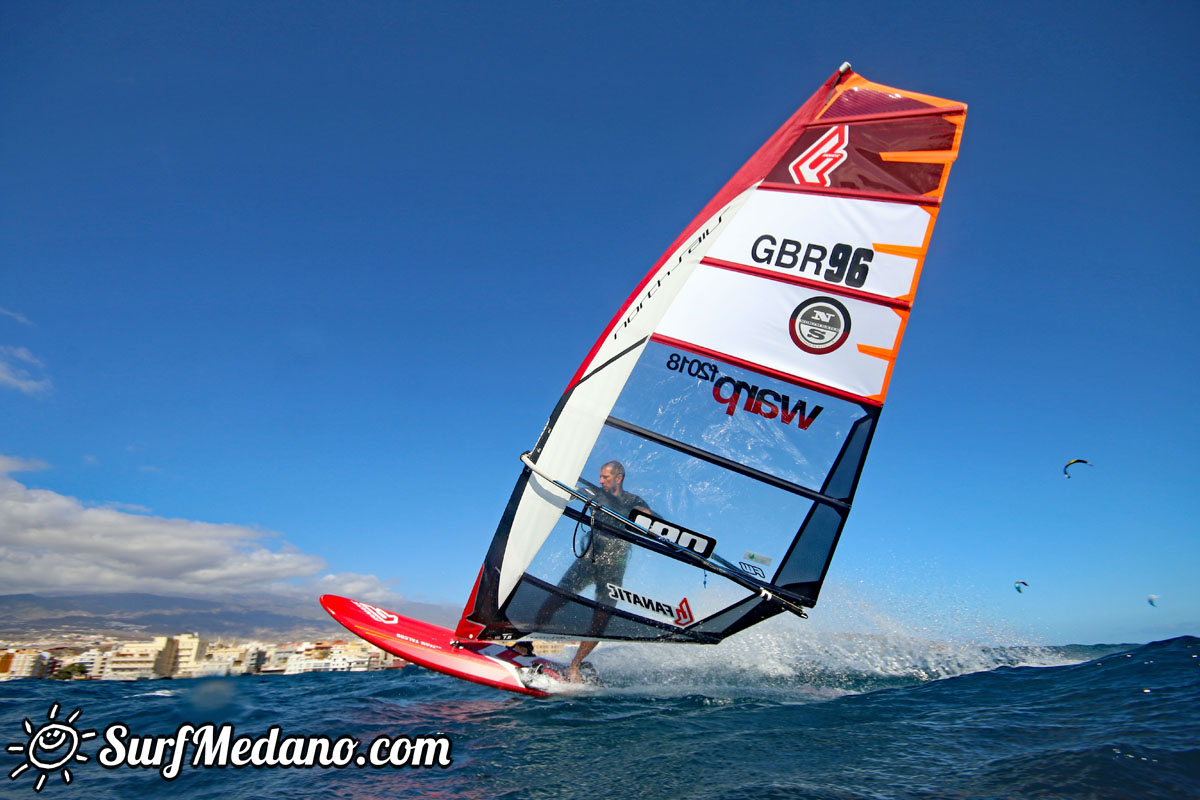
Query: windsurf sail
{"type": "Point", "coordinates": [736, 391]}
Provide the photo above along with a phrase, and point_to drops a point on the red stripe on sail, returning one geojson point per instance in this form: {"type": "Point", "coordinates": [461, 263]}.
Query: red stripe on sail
{"type": "Point", "coordinates": [855, 194]}
{"type": "Point", "coordinates": [808, 283]}
{"type": "Point", "coordinates": [764, 370]}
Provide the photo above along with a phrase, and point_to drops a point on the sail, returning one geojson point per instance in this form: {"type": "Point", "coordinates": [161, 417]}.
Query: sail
{"type": "Point", "coordinates": [696, 474]}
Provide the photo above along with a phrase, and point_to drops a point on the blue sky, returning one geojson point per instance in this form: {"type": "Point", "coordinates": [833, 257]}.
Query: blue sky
{"type": "Point", "coordinates": [286, 288]}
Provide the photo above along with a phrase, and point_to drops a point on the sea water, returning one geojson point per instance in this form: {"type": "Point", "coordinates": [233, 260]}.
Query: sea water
{"type": "Point", "coordinates": [842, 718]}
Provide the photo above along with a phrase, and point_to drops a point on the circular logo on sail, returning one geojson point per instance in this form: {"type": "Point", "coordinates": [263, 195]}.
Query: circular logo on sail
{"type": "Point", "coordinates": [820, 325]}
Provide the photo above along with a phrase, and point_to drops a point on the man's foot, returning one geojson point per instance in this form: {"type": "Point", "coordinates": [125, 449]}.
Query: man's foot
{"type": "Point", "coordinates": [573, 674]}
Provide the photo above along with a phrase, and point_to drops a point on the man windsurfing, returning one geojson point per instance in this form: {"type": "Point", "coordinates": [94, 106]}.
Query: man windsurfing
{"type": "Point", "coordinates": [602, 562]}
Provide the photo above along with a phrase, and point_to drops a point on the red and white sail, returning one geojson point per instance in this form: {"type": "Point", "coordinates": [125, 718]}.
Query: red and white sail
{"type": "Point", "coordinates": [739, 386]}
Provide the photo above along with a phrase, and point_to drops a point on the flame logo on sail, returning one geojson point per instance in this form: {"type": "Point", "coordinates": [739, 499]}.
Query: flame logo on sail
{"type": "Point", "coordinates": [683, 614]}
{"type": "Point", "coordinates": [816, 163]}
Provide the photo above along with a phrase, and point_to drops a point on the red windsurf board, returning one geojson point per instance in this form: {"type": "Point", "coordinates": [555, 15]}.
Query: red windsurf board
{"type": "Point", "coordinates": [437, 648]}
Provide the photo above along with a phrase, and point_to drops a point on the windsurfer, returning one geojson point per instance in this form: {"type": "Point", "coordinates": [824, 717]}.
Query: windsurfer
{"type": "Point", "coordinates": [603, 563]}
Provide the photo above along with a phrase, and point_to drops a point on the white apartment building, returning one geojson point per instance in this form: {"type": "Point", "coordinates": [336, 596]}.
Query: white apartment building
{"type": "Point", "coordinates": [189, 654]}
{"type": "Point", "coordinates": [138, 660]}
{"type": "Point", "coordinates": [22, 663]}
{"type": "Point", "coordinates": [230, 659]}
{"type": "Point", "coordinates": [276, 657]}
{"type": "Point", "coordinates": [336, 656]}
{"type": "Point", "coordinates": [92, 659]}
{"type": "Point", "coordinates": [354, 657]}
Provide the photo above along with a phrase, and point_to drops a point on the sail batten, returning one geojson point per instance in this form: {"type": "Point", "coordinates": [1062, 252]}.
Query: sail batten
{"type": "Point", "coordinates": [892, 197]}
{"type": "Point", "coordinates": [895, 115]}
{"type": "Point", "coordinates": [895, 302]}
{"type": "Point", "coordinates": [765, 370]}
{"type": "Point", "coordinates": [726, 463]}
{"type": "Point", "coordinates": [696, 475]}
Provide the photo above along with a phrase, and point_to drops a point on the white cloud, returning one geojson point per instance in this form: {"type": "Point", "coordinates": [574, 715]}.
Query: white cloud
{"type": "Point", "coordinates": [22, 370]}
{"type": "Point", "coordinates": [129, 507]}
{"type": "Point", "coordinates": [21, 318]}
{"type": "Point", "coordinates": [51, 542]}
{"type": "Point", "coordinates": [360, 587]}
{"type": "Point", "coordinates": [13, 464]}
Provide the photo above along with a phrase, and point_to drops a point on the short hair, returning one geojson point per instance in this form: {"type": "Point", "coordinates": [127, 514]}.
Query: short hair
{"type": "Point", "coordinates": [615, 466]}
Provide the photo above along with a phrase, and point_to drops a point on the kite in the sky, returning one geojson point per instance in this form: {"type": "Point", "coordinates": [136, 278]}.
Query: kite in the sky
{"type": "Point", "coordinates": [1153, 600]}
{"type": "Point", "coordinates": [1020, 586]}
{"type": "Point", "coordinates": [1073, 461]}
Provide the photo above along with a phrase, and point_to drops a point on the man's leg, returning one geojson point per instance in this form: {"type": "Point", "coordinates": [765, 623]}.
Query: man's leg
{"type": "Point", "coordinates": [585, 649]}
{"type": "Point", "coordinates": [600, 618]}
{"type": "Point", "coordinates": [573, 580]}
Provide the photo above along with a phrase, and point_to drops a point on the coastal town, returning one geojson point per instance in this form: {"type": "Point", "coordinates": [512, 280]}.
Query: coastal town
{"type": "Point", "coordinates": [187, 655]}
{"type": "Point", "coordinates": [190, 655]}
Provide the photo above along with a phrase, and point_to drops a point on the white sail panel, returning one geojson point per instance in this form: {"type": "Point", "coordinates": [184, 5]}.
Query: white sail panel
{"type": "Point", "coordinates": [812, 236]}
{"type": "Point", "coordinates": [750, 318]}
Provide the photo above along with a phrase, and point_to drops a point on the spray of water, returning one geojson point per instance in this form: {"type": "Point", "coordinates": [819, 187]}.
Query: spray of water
{"type": "Point", "coordinates": [857, 641]}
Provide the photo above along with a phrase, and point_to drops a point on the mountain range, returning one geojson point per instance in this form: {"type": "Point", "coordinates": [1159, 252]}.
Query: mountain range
{"type": "Point", "coordinates": [30, 617]}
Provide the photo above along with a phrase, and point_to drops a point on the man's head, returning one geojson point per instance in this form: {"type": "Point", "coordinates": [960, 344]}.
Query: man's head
{"type": "Point", "coordinates": [612, 475]}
